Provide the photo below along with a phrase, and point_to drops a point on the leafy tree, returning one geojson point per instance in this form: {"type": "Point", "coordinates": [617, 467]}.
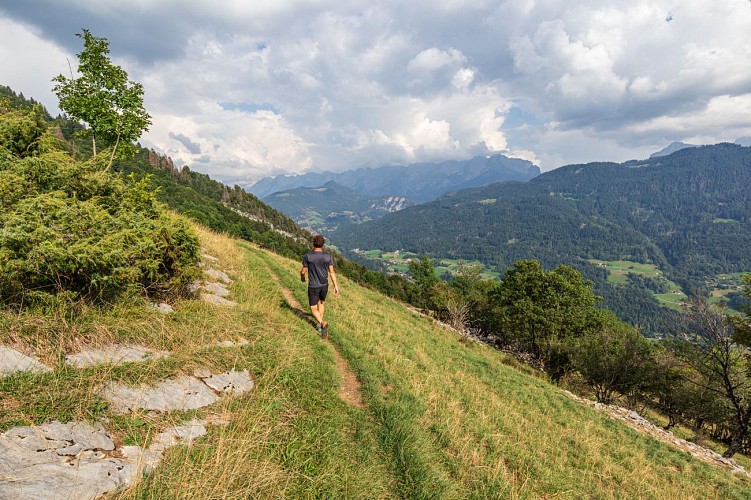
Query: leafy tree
{"type": "Point", "coordinates": [423, 274]}
{"type": "Point", "coordinates": [103, 97]}
{"type": "Point", "coordinates": [613, 359]}
{"type": "Point", "coordinates": [534, 306]}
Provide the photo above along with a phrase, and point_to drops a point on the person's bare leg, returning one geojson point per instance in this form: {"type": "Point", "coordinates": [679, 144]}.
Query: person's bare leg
{"type": "Point", "coordinates": [317, 314]}
{"type": "Point", "coordinates": [321, 310]}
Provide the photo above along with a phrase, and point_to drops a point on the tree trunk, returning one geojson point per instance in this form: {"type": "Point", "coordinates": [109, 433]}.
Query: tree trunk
{"type": "Point", "coordinates": [736, 441]}
{"type": "Point", "coordinates": [112, 157]}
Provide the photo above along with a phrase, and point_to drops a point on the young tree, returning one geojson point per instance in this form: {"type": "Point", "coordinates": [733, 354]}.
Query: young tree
{"type": "Point", "coordinates": [615, 358]}
{"type": "Point", "coordinates": [423, 274]}
{"type": "Point", "coordinates": [722, 363]}
{"type": "Point", "coordinates": [103, 97]}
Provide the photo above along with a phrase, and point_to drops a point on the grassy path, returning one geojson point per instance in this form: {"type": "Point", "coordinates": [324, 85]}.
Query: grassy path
{"type": "Point", "coordinates": [350, 388]}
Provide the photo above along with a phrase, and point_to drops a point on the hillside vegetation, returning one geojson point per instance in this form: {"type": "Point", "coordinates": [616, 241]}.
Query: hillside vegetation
{"type": "Point", "coordinates": [688, 214]}
{"type": "Point", "coordinates": [439, 418]}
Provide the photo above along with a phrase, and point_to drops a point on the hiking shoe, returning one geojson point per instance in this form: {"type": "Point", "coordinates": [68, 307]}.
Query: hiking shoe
{"type": "Point", "coordinates": [318, 328]}
{"type": "Point", "coordinates": [325, 331]}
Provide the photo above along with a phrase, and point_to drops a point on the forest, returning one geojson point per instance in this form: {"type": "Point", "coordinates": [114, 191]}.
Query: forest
{"type": "Point", "coordinates": [687, 214]}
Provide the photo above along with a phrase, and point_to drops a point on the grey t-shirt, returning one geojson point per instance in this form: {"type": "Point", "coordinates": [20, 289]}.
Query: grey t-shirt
{"type": "Point", "coordinates": [318, 268]}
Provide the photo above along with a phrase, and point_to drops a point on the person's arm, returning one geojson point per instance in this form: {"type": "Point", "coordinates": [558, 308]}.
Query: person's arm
{"type": "Point", "coordinates": [302, 273]}
{"type": "Point", "coordinates": [332, 275]}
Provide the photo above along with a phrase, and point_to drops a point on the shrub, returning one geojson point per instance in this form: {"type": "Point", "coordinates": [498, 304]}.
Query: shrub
{"type": "Point", "coordinates": [71, 229]}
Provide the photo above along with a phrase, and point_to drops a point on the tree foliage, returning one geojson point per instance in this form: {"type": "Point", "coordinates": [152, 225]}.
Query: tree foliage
{"type": "Point", "coordinates": [613, 359]}
{"type": "Point", "coordinates": [103, 97]}
{"type": "Point", "coordinates": [534, 306]}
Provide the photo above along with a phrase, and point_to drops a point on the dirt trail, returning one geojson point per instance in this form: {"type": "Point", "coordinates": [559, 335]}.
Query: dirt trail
{"type": "Point", "coordinates": [351, 389]}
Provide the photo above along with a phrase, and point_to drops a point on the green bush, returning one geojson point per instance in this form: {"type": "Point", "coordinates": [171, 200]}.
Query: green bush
{"type": "Point", "coordinates": [71, 229]}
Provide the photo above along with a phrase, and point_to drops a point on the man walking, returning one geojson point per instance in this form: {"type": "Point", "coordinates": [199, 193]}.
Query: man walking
{"type": "Point", "coordinates": [319, 266]}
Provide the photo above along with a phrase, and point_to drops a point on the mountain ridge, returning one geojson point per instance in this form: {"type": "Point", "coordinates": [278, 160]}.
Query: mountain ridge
{"type": "Point", "coordinates": [418, 181]}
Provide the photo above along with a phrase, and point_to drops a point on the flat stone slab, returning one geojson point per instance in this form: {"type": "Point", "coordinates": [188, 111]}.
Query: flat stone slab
{"type": "Point", "coordinates": [113, 354]}
{"type": "Point", "coordinates": [181, 393]}
{"type": "Point", "coordinates": [29, 473]}
{"type": "Point", "coordinates": [13, 361]}
{"type": "Point", "coordinates": [218, 275]}
{"type": "Point", "coordinates": [232, 382]}
{"type": "Point", "coordinates": [216, 289]}
{"type": "Point", "coordinates": [216, 299]}
{"type": "Point", "coordinates": [150, 457]}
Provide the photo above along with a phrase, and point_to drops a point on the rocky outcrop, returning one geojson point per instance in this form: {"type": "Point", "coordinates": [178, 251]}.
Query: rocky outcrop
{"type": "Point", "coordinates": [641, 424]}
{"type": "Point", "coordinates": [161, 161]}
{"type": "Point", "coordinates": [78, 460]}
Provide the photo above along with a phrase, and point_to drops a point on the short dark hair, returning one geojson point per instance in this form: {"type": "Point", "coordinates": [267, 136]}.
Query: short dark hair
{"type": "Point", "coordinates": [318, 241]}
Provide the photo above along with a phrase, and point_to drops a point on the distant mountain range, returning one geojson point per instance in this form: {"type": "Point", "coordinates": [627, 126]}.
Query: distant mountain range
{"type": "Point", "coordinates": [672, 148]}
{"type": "Point", "coordinates": [419, 181]}
{"type": "Point", "coordinates": [689, 213]}
{"type": "Point", "coordinates": [326, 208]}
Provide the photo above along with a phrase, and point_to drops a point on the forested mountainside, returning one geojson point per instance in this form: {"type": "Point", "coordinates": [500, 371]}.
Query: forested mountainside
{"type": "Point", "coordinates": [420, 181]}
{"type": "Point", "coordinates": [231, 210]}
{"type": "Point", "coordinates": [688, 213]}
{"type": "Point", "coordinates": [326, 208]}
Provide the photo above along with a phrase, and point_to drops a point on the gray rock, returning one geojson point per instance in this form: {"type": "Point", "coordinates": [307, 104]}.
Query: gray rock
{"type": "Point", "coordinates": [150, 457]}
{"type": "Point", "coordinates": [113, 354]}
{"type": "Point", "coordinates": [181, 393]}
{"type": "Point", "coordinates": [87, 478]}
{"type": "Point", "coordinates": [209, 257]}
{"type": "Point", "coordinates": [219, 275]}
{"type": "Point", "coordinates": [162, 307]}
{"type": "Point", "coordinates": [14, 361]}
{"type": "Point", "coordinates": [232, 382]}
{"type": "Point", "coordinates": [215, 299]}
{"type": "Point", "coordinates": [216, 289]}
{"type": "Point", "coordinates": [27, 474]}
{"type": "Point", "coordinates": [195, 286]}
{"type": "Point", "coordinates": [80, 433]}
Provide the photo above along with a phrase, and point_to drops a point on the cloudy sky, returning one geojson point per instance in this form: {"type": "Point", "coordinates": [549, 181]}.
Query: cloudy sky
{"type": "Point", "coordinates": [242, 89]}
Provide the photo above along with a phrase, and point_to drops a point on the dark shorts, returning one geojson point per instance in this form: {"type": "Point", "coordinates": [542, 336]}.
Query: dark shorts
{"type": "Point", "coordinates": [317, 294]}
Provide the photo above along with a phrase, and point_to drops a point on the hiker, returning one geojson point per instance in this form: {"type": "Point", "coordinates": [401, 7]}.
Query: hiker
{"type": "Point", "coordinates": [319, 265]}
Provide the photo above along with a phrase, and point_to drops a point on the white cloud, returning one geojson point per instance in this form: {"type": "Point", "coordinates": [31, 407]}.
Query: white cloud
{"type": "Point", "coordinates": [433, 59]}
{"type": "Point", "coordinates": [259, 87]}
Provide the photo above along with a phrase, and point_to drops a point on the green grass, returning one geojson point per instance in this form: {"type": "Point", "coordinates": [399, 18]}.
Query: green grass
{"type": "Point", "coordinates": [459, 421]}
{"type": "Point", "coordinates": [442, 418]}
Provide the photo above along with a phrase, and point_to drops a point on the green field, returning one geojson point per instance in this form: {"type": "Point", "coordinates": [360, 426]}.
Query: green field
{"type": "Point", "coordinates": [398, 262]}
{"type": "Point", "coordinates": [618, 271]}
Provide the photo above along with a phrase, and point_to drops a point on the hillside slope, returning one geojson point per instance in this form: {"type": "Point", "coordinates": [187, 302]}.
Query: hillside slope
{"type": "Point", "coordinates": [689, 213]}
{"type": "Point", "coordinates": [439, 419]}
{"type": "Point", "coordinates": [330, 206]}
